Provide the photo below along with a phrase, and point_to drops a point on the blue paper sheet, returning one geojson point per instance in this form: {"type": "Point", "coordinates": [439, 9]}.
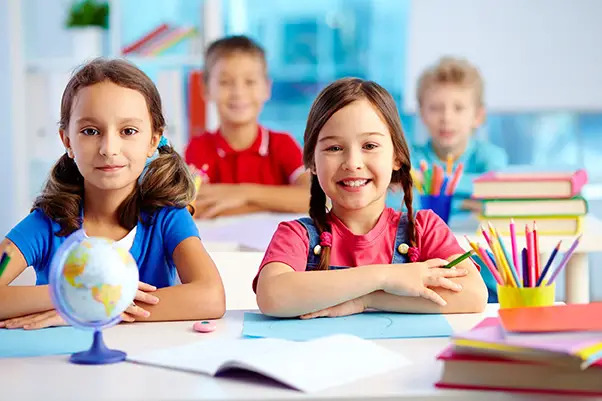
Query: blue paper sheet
{"type": "Point", "coordinates": [49, 341]}
{"type": "Point", "coordinates": [368, 325]}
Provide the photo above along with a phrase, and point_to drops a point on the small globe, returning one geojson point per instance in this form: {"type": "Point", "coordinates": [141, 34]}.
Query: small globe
{"type": "Point", "coordinates": [92, 281]}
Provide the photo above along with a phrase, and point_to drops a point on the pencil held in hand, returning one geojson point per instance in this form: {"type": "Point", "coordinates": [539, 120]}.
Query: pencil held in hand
{"type": "Point", "coordinates": [459, 259]}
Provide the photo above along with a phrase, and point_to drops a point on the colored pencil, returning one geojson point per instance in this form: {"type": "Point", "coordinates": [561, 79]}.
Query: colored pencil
{"type": "Point", "coordinates": [489, 263]}
{"type": "Point", "coordinates": [525, 257]}
{"type": "Point", "coordinates": [514, 248]}
{"type": "Point", "coordinates": [423, 166]}
{"type": "Point", "coordinates": [531, 264]}
{"type": "Point", "coordinates": [548, 264]}
{"type": "Point", "coordinates": [450, 164]}
{"type": "Point", "coordinates": [451, 188]}
{"type": "Point", "coordinates": [511, 267]}
{"type": "Point", "coordinates": [564, 260]}
{"type": "Point", "coordinates": [459, 259]}
{"type": "Point", "coordinates": [417, 181]}
{"type": "Point", "coordinates": [486, 236]}
{"type": "Point", "coordinates": [4, 262]}
{"type": "Point", "coordinates": [437, 180]}
{"type": "Point", "coordinates": [536, 253]}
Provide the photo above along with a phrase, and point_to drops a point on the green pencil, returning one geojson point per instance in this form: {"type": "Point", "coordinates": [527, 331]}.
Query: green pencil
{"type": "Point", "coordinates": [458, 259]}
{"type": "Point", "coordinates": [4, 262]}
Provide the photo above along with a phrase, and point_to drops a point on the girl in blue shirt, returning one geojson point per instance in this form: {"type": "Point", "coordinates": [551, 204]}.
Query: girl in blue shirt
{"type": "Point", "coordinates": [118, 179]}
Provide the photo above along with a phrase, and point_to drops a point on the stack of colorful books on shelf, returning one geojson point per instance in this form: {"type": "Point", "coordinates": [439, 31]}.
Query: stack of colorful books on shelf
{"type": "Point", "coordinates": [159, 40]}
{"type": "Point", "coordinates": [552, 349]}
{"type": "Point", "coordinates": [553, 199]}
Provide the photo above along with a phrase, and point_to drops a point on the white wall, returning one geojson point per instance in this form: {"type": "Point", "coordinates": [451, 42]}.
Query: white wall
{"type": "Point", "coordinates": [535, 55]}
{"type": "Point", "coordinates": [13, 180]}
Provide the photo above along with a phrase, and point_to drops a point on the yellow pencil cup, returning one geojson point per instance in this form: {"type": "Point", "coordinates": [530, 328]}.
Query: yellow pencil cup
{"type": "Point", "coordinates": [514, 297]}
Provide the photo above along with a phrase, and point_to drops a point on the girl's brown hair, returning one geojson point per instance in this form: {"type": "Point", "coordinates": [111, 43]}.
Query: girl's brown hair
{"type": "Point", "coordinates": [332, 99]}
{"type": "Point", "coordinates": [166, 180]}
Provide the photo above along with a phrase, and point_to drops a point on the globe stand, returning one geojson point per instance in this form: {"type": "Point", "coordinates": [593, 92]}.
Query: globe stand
{"type": "Point", "coordinates": [98, 354]}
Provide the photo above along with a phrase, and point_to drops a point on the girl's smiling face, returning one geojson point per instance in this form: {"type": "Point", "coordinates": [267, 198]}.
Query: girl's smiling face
{"type": "Point", "coordinates": [354, 158]}
{"type": "Point", "coordinates": [110, 135]}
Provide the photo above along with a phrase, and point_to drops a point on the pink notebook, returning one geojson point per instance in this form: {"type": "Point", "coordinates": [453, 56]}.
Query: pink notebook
{"type": "Point", "coordinates": [529, 185]}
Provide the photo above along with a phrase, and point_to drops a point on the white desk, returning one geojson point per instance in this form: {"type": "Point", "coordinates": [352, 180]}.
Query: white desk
{"type": "Point", "coordinates": [52, 377]}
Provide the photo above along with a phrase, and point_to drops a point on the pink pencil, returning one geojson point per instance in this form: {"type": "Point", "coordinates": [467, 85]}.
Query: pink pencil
{"type": "Point", "coordinates": [490, 266]}
{"type": "Point", "coordinates": [451, 187]}
{"type": "Point", "coordinates": [536, 252]}
{"type": "Point", "coordinates": [486, 236]}
{"type": "Point", "coordinates": [515, 250]}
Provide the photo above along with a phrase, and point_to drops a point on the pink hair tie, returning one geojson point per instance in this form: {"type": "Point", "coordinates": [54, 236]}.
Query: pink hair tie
{"type": "Point", "coordinates": [413, 254]}
{"type": "Point", "coordinates": [325, 239]}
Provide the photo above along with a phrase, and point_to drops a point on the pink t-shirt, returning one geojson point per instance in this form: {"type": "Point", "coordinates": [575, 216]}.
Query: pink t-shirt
{"type": "Point", "coordinates": [290, 243]}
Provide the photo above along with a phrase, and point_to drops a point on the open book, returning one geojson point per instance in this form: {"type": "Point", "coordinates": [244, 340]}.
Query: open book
{"type": "Point", "coordinates": [307, 366]}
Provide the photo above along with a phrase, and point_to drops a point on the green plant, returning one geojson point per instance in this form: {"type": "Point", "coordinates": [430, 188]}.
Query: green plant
{"type": "Point", "coordinates": [88, 13]}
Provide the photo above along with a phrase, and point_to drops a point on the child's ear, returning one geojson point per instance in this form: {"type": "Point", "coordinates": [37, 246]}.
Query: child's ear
{"type": "Point", "coordinates": [154, 143]}
{"type": "Point", "coordinates": [66, 142]}
{"type": "Point", "coordinates": [396, 164]}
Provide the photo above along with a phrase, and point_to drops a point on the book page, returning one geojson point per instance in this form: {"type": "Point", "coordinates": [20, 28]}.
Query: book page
{"type": "Point", "coordinates": [307, 366]}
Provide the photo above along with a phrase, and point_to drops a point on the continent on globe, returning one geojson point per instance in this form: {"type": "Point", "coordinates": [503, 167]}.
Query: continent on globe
{"type": "Point", "coordinates": [74, 267]}
{"type": "Point", "coordinates": [108, 295]}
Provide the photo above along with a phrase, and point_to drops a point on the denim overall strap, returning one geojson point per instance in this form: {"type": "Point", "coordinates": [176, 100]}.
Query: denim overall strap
{"type": "Point", "coordinates": [313, 260]}
{"type": "Point", "coordinates": [401, 237]}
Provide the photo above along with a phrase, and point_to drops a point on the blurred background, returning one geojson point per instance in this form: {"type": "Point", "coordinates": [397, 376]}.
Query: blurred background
{"type": "Point", "coordinates": [540, 59]}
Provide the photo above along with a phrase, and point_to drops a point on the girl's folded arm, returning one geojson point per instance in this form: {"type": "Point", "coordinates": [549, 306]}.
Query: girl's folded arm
{"type": "Point", "coordinates": [201, 294]}
{"type": "Point", "coordinates": [472, 297]}
{"type": "Point", "coordinates": [19, 300]}
{"type": "Point", "coordinates": [283, 292]}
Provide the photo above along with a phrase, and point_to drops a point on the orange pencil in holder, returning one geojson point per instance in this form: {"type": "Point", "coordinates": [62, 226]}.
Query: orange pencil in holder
{"type": "Point", "coordinates": [518, 297]}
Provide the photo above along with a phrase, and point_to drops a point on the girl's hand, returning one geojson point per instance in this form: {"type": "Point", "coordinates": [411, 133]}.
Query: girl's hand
{"type": "Point", "coordinates": [142, 296]}
{"type": "Point", "coordinates": [351, 307]}
{"type": "Point", "coordinates": [215, 199]}
{"type": "Point", "coordinates": [415, 279]}
{"type": "Point", "coordinates": [35, 321]}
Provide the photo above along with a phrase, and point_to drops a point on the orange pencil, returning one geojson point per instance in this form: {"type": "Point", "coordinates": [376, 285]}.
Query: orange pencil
{"type": "Point", "coordinates": [451, 187]}
{"type": "Point", "coordinates": [450, 164]}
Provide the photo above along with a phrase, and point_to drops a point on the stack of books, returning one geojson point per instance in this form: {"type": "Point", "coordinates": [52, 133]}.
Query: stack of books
{"type": "Point", "coordinates": [552, 349]}
{"type": "Point", "coordinates": [553, 199]}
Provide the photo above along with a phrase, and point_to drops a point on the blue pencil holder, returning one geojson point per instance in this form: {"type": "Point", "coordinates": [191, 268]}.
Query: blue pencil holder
{"type": "Point", "coordinates": [440, 204]}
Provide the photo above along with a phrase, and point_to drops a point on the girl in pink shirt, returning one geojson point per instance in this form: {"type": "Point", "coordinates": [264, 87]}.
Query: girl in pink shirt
{"type": "Point", "coordinates": [355, 148]}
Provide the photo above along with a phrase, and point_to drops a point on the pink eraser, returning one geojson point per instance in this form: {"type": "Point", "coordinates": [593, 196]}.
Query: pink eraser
{"type": "Point", "coordinates": [204, 326]}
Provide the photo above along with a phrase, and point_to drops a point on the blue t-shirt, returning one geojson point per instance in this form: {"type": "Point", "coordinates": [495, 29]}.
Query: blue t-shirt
{"type": "Point", "coordinates": [153, 245]}
{"type": "Point", "coordinates": [478, 158]}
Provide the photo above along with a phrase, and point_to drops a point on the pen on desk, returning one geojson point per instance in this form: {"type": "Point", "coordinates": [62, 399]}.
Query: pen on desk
{"type": "Point", "coordinates": [459, 259]}
{"type": "Point", "coordinates": [4, 262]}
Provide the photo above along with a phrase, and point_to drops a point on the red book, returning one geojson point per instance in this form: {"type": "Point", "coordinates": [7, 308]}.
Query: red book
{"type": "Point", "coordinates": [145, 39]}
{"type": "Point", "coordinates": [529, 185]}
{"type": "Point", "coordinates": [489, 373]}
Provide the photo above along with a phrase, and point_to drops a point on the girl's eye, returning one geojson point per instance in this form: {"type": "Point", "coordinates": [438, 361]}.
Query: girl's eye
{"type": "Point", "coordinates": [89, 131]}
{"type": "Point", "coordinates": [129, 131]}
{"type": "Point", "coordinates": [250, 82]}
{"type": "Point", "coordinates": [333, 148]}
{"type": "Point", "coordinates": [459, 107]}
{"type": "Point", "coordinates": [370, 146]}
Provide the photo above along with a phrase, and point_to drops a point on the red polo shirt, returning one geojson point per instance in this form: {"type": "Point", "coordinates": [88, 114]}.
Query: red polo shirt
{"type": "Point", "coordinates": [274, 158]}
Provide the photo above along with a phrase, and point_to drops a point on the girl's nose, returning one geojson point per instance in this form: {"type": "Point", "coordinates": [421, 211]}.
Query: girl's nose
{"type": "Point", "coordinates": [353, 160]}
{"type": "Point", "coordinates": [110, 145]}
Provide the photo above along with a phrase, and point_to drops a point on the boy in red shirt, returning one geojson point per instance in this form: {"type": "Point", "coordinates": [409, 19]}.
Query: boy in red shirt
{"type": "Point", "coordinates": [247, 167]}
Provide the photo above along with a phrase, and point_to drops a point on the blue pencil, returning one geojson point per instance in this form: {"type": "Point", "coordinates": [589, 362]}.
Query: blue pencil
{"type": "Point", "coordinates": [548, 264]}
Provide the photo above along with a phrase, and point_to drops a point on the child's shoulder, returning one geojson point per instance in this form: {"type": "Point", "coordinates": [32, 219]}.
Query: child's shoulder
{"type": "Point", "coordinates": [487, 153]}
